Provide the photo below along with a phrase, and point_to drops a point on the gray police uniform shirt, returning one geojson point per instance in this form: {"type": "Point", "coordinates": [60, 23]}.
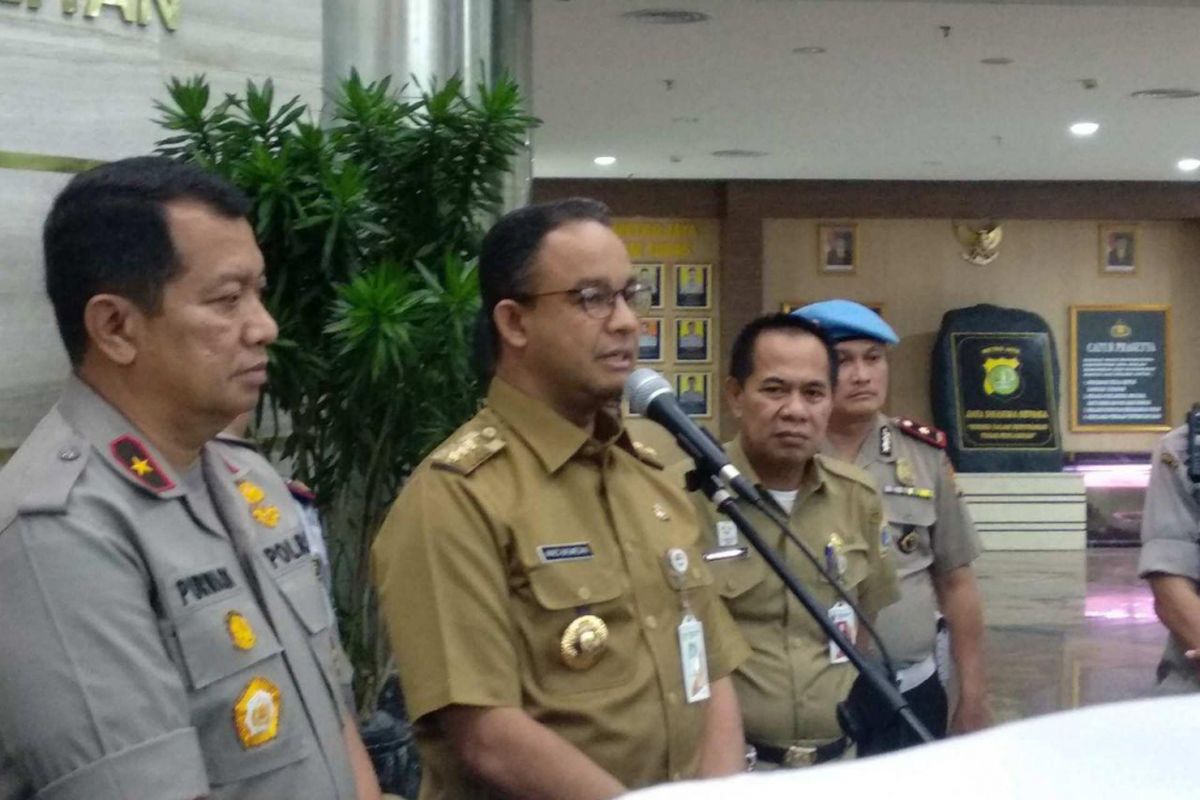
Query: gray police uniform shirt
{"type": "Point", "coordinates": [1171, 542]}
{"type": "Point", "coordinates": [164, 636]}
{"type": "Point", "coordinates": [930, 528]}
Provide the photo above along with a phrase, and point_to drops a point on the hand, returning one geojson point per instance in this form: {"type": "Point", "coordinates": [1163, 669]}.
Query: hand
{"type": "Point", "coordinates": [973, 715]}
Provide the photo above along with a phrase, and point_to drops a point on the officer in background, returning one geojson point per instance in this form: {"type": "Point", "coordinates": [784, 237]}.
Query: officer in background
{"type": "Point", "coordinates": [554, 627]}
{"type": "Point", "coordinates": [930, 529]}
{"type": "Point", "coordinates": [780, 387]}
{"type": "Point", "coordinates": [1170, 560]}
{"type": "Point", "coordinates": [165, 633]}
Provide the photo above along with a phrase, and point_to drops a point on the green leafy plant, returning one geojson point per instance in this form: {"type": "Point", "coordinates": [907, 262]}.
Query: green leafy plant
{"type": "Point", "coordinates": [370, 226]}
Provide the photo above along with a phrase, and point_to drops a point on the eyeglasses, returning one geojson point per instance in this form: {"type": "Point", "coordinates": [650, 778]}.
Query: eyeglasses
{"type": "Point", "coordinates": [598, 302]}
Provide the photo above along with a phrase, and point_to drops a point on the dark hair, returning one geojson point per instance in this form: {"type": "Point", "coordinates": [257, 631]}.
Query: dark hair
{"type": "Point", "coordinates": [741, 360]}
{"type": "Point", "coordinates": [507, 255]}
{"type": "Point", "coordinates": [107, 232]}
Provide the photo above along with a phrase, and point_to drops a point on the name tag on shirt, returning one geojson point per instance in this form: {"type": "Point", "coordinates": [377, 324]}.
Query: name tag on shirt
{"type": "Point", "coordinates": [694, 659]}
{"type": "Point", "coordinates": [575, 551]}
{"type": "Point", "coordinates": [843, 618]}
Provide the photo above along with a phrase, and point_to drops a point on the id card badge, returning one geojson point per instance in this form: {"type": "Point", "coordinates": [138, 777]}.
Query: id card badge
{"type": "Point", "coordinates": [843, 618]}
{"type": "Point", "coordinates": [727, 533]}
{"type": "Point", "coordinates": [694, 659]}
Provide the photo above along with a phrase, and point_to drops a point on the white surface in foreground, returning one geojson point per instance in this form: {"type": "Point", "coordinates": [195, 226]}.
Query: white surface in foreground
{"type": "Point", "coordinates": [1146, 748]}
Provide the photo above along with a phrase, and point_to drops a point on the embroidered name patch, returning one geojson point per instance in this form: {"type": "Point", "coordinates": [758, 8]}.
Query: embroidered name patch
{"type": "Point", "coordinates": [575, 551]}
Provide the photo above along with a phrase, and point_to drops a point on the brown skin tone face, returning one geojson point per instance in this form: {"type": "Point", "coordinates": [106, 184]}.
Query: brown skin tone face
{"type": "Point", "coordinates": [783, 406]}
{"type": "Point", "coordinates": [862, 380]}
{"type": "Point", "coordinates": [554, 351]}
{"type": "Point", "coordinates": [184, 371]}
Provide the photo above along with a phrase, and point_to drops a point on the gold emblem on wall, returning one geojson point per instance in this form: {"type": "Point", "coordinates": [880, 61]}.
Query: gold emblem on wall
{"type": "Point", "coordinates": [981, 242]}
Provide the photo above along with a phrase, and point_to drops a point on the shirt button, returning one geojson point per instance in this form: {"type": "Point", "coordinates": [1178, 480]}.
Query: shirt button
{"type": "Point", "coordinates": [585, 593]}
{"type": "Point", "coordinates": [672, 698]}
{"type": "Point", "coordinates": [68, 454]}
{"type": "Point", "coordinates": [730, 586]}
{"type": "Point", "coordinates": [651, 622]}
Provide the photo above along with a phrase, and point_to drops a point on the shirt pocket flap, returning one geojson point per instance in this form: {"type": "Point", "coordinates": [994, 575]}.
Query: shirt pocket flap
{"type": "Point", "coordinates": [910, 511]}
{"type": "Point", "coordinates": [224, 637]}
{"type": "Point", "coordinates": [306, 595]}
{"type": "Point", "coordinates": [573, 584]}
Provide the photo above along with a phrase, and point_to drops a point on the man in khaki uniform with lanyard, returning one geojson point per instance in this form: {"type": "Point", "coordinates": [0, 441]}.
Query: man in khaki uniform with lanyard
{"type": "Point", "coordinates": [1170, 560]}
{"type": "Point", "coordinates": [781, 381]}
{"type": "Point", "coordinates": [931, 531]}
{"type": "Point", "coordinates": [165, 634]}
{"type": "Point", "coordinates": [554, 626]}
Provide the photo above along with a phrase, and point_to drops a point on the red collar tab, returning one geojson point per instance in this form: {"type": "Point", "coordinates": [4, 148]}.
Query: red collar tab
{"type": "Point", "coordinates": [137, 461]}
{"type": "Point", "coordinates": [922, 432]}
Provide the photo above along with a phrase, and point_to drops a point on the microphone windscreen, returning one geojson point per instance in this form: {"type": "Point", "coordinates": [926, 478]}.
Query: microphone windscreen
{"type": "Point", "coordinates": [642, 386]}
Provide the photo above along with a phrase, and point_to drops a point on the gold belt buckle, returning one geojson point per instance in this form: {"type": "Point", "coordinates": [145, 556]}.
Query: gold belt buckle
{"type": "Point", "coordinates": [799, 756]}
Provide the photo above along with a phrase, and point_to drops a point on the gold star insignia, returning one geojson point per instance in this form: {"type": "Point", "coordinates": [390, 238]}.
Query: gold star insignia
{"type": "Point", "coordinates": [252, 492]}
{"type": "Point", "coordinates": [266, 515]}
{"type": "Point", "coordinates": [141, 466]}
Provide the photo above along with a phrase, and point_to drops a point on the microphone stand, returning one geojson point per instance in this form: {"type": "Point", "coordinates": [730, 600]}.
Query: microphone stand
{"type": "Point", "coordinates": [855, 715]}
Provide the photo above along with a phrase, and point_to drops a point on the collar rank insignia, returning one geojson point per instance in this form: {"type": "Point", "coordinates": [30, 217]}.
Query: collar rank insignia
{"type": "Point", "coordinates": [256, 713]}
{"type": "Point", "coordinates": [885, 441]}
{"type": "Point", "coordinates": [139, 464]}
{"type": "Point", "coordinates": [921, 432]}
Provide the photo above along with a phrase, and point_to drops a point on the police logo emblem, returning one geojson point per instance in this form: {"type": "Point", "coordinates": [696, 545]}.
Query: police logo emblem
{"type": "Point", "coordinates": [908, 542]}
{"type": "Point", "coordinates": [584, 641]}
{"type": "Point", "coordinates": [904, 471]}
{"type": "Point", "coordinates": [256, 713]}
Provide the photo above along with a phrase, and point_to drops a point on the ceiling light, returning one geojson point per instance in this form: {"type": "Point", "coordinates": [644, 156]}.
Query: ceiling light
{"type": "Point", "coordinates": [996, 61]}
{"type": "Point", "coordinates": [811, 50]}
{"type": "Point", "coordinates": [1189, 164]}
{"type": "Point", "coordinates": [604, 161]}
{"type": "Point", "coordinates": [686, 120]}
{"type": "Point", "coordinates": [736, 153]}
{"type": "Point", "coordinates": [666, 16]}
{"type": "Point", "coordinates": [1165, 94]}
{"type": "Point", "coordinates": [1084, 128]}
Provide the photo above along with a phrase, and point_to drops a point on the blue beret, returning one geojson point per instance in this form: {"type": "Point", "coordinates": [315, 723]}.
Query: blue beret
{"type": "Point", "coordinates": [844, 320]}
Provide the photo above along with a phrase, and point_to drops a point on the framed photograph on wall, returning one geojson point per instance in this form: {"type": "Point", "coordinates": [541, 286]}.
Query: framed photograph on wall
{"type": "Point", "coordinates": [1118, 249]}
{"type": "Point", "coordinates": [693, 286]}
{"type": "Point", "coordinates": [837, 248]}
{"type": "Point", "coordinates": [650, 339]}
{"type": "Point", "coordinates": [651, 275]}
{"type": "Point", "coordinates": [693, 339]}
{"type": "Point", "coordinates": [694, 392]}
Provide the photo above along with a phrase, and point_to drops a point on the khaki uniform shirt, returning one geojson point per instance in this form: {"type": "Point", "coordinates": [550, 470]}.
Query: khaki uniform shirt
{"type": "Point", "coordinates": [515, 528]}
{"type": "Point", "coordinates": [1171, 542]}
{"type": "Point", "coordinates": [929, 526]}
{"type": "Point", "coordinates": [164, 636]}
{"type": "Point", "coordinates": [788, 688]}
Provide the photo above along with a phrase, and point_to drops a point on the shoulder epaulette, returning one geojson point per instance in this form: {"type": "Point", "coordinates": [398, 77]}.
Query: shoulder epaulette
{"type": "Point", "coordinates": [466, 451]}
{"type": "Point", "coordinates": [647, 455]}
{"type": "Point", "coordinates": [921, 432]}
{"type": "Point", "coordinates": [846, 470]}
{"type": "Point", "coordinates": [41, 474]}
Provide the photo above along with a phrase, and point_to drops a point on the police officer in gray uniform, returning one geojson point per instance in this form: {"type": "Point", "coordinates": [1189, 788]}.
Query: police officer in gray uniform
{"type": "Point", "coordinates": [1170, 559]}
{"type": "Point", "coordinates": [165, 635]}
{"type": "Point", "coordinates": [931, 532]}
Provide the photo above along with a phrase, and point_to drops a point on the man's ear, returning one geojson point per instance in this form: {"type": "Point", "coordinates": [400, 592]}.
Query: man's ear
{"type": "Point", "coordinates": [112, 323]}
{"type": "Point", "coordinates": [734, 391]}
{"type": "Point", "coordinates": [509, 317]}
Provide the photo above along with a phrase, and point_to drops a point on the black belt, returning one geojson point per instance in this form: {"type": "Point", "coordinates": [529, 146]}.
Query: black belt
{"type": "Point", "coordinates": [799, 756]}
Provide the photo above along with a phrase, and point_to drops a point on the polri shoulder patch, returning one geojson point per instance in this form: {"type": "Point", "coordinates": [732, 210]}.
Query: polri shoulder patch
{"type": "Point", "coordinates": [468, 450]}
{"type": "Point", "coordinates": [921, 432]}
{"type": "Point", "coordinates": [137, 461]}
{"type": "Point", "coordinates": [647, 455]}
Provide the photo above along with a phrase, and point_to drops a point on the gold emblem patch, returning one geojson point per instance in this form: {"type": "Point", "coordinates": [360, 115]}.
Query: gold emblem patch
{"type": "Point", "coordinates": [256, 714]}
{"type": "Point", "coordinates": [251, 491]}
{"type": "Point", "coordinates": [240, 631]}
{"type": "Point", "coordinates": [583, 641]}
{"type": "Point", "coordinates": [265, 515]}
{"type": "Point", "coordinates": [908, 542]}
{"type": "Point", "coordinates": [904, 471]}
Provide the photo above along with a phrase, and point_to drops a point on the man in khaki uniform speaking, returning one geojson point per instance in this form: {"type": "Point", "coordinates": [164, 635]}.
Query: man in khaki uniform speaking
{"type": "Point", "coordinates": [164, 631]}
{"type": "Point", "coordinates": [780, 386]}
{"type": "Point", "coordinates": [931, 531]}
{"type": "Point", "coordinates": [554, 626]}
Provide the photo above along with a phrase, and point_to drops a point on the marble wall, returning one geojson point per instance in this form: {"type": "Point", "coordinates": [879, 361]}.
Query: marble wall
{"type": "Point", "coordinates": [84, 87]}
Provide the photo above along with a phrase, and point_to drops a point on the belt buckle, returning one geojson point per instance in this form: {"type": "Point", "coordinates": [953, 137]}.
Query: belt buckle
{"type": "Point", "coordinates": [799, 756]}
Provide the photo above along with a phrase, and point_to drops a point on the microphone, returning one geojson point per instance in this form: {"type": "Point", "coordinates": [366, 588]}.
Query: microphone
{"type": "Point", "coordinates": [650, 395]}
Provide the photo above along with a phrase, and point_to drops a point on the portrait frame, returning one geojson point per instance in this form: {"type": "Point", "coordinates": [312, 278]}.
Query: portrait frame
{"type": "Point", "coordinates": [688, 383]}
{"type": "Point", "coordinates": [692, 354]}
{"type": "Point", "coordinates": [837, 248]}
{"type": "Point", "coordinates": [1119, 249]}
{"type": "Point", "coordinates": [655, 355]}
{"type": "Point", "coordinates": [655, 279]}
{"type": "Point", "coordinates": [690, 300]}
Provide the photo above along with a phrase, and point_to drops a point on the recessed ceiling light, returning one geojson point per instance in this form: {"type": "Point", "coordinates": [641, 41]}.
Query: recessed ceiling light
{"type": "Point", "coordinates": [1166, 94]}
{"type": "Point", "coordinates": [666, 16]}
{"type": "Point", "coordinates": [996, 61]}
{"type": "Point", "coordinates": [1189, 164]}
{"type": "Point", "coordinates": [932, 163]}
{"type": "Point", "coordinates": [736, 153]}
{"type": "Point", "coordinates": [811, 50]}
{"type": "Point", "coordinates": [604, 161]}
{"type": "Point", "coordinates": [1084, 128]}
{"type": "Point", "coordinates": [686, 120]}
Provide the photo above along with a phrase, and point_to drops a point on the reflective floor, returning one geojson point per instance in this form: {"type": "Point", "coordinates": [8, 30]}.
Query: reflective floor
{"type": "Point", "coordinates": [1067, 629]}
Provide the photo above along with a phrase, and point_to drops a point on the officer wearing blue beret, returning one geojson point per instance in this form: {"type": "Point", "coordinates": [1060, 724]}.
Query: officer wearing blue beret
{"type": "Point", "coordinates": [931, 531]}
